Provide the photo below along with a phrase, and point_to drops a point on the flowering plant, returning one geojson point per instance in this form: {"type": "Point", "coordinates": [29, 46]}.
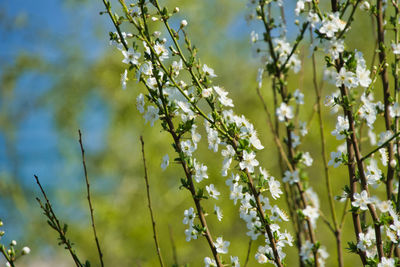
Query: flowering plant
{"type": "Point", "coordinates": [180, 97]}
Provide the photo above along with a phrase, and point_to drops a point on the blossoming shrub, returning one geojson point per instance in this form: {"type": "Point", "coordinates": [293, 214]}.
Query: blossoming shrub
{"type": "Point", "coordinates": [180, 97]}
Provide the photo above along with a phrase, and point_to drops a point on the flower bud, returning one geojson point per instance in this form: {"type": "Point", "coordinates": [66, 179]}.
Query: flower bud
{"type": "Point", "coordinates": [154, 18]}
{"type": "Point", "coordinates": [157, 34]}
{"type": "Point", "coordinates": [26, 250]}
{"type": "Point", "coordinates": [1, 223]}
{"type": "Point", "coordinates": [206, 92]}
{"type": "Point", "coordinates": [176, 9]}
{"type": "Point", "coordinates": [393, 163]}
{"type": "Point", "coordinates": [365, 6]}
{"type": "Point", "coordinates": [2, 233]}
{"type": "Point", "coordinates": [184, 23]}
{"type": "Point", "coordinates": [13, 243]}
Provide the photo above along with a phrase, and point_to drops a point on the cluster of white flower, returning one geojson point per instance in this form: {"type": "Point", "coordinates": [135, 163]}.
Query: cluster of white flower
{"type": "Point", "coordinates": [11, 254]}
{"type": "Point", "coordinates": [366, 242]}
{"type": "Point", "coordinates": [275, 53]}
{"type": "Point", "coordinates": [168, 93]}
{"type": "Point", "coordinates": [174, 101]}
{"type": "Point", "coordinates": [189, 216]}
{"type": "Point", "coordinates": [307, 251]}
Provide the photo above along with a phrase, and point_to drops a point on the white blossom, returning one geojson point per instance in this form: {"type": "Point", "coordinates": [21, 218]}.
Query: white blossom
{"type": "Point", "coordinates": [213, 139]}
{"type": "Point", "coordinates": [189, 216]}
{"type": "Point", "coordinates": [396, 49]}
{"type": "Point", "coordinates": [395, 110]}
{"type": "Point", "coordinates": [187, 147]}
{"type": "Point", "coordinates": [209, 71]}
{"type": "Point", "coordinates": [274, 187]}
{"type": "Point", "coordinates": [131, 56]}
{"type": "Point", "coordinates": [165, 162]}
{"type": "Point", "coordinates": [332, 24]}
{"type": "Point", "coordinates": [218, 212]}
{"type": "Point", "coordinates": [361, 200]}
{"type": "Point", "coordinates": [312, 214]}
{"type": "Point", "coordinates": [124, 79]}
{"type": "Point", "coordinates": [291, 177]}
{"type": "Point", "coordinates": [222, 97]}
{"type": "Point", "coordinates": [333, 48]}
{"type": "Point", "coordinates": [373, 173]}
{"type": "Point", "coordinates": [191, 233]}
{"type": "Point", "coordinates": [306, 159]}
{"type": "Point", "coordinates": [140, 103]}
{"type": "Point", "coordinates": [346, 78]}
{"type": "Point", "coordinates": [236, 193]}
{"type": "Point", "coordinates": [363, 76]}
{"type": "Point", "coordinates": [161, 51]}
{"type": "Point", "coordinates": [284, 112]}
{"type": "Point", "coordinates": [177, 66]}
{"type": "Point", "coordinates": [313, 19]}
{"type": "Point", "coordinates": [249, 161]}
{"type": "Point", "coordinates": [303, 128]}
{"type": "Point", "coordinates": [200, 171]}
{"type": "Point", "coordinates": [212, 191]}
{"type": "Point", "coordinates": [385, 262]}
{"type": "Point", "coordinates": [209, 262]}
{"type": "Point", "coordinates": [221, 245]}
{"type": "Point", "coordinates": [151, 115]}
{"type": "Point", "coordinates": [341, 126]}
{"type": "Point", "coordinates": [235, 261]}
{"type": "Point", "coordinates": [299, 97]}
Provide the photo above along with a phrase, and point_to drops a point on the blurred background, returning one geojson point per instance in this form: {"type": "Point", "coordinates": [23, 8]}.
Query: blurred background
{"type": "Point", "coordinates": [58, 74]}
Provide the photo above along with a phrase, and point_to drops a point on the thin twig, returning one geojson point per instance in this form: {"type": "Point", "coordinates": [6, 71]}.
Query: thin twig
{"type": "Point", "coordinates": [153, 222]}
{"type": "Point", "coordinates": [380, 18]}
{"type": "Point", "coordinates": [248, 253]}
{"type": "Point", "coordinates": [90, 201]}
{"type": "Point", "coordinates": [55, 224]}
{"type": "Point", "coordinates": [335, 227]}
{"type": "Point", "coordinates": [381, 146]}
{"type": "Point", "coordinates": [173, 246]}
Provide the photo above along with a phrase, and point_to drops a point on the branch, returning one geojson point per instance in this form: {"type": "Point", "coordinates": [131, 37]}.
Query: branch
{"type": "Point", "coordinates": [153, 222]}
{"type": "Point", "coordinates": [90, 201]}
{"type": "Point", "coordinates": [55, 224]}
{"type": "Point", "coordinates": [248, 253]}
{"type": "Point", "coordinates": [381, 146]}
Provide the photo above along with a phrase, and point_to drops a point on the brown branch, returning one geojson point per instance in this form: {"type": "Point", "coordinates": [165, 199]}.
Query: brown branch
{"type": "Point", "coordinates": [281, 76]}
{"type": "Point", "coordinates": [55, 224]}
{"type": "Point", "coordinates": [335, 228]}
{"type": "Point", "coordinates": [153, 222]}
{"type": "Point", "coordinates": [90, 201]}
{"type": "Point", "coordinates": [263, 220]}
{"type": "Point", "coordinates": [352, 139]}
{"type": "Point", "coordinates": [386, 92]}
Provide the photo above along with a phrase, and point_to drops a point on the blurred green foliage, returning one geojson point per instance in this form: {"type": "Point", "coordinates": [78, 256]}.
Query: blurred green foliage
{"type": "Point", "coordinates": [86, 94]}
